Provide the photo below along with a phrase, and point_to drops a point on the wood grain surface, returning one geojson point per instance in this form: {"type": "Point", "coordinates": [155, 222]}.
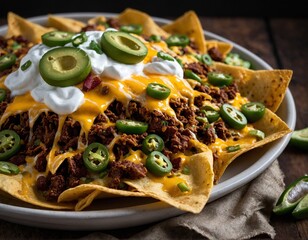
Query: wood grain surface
{"type": "Point", "coordinates": [282, 43]}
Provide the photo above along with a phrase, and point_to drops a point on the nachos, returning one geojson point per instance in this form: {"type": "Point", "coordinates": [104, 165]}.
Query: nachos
{"type": "Point", "coordinates": [122, 106]}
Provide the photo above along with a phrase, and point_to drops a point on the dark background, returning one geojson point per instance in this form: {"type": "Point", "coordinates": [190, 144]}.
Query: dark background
{"type": "Point", "coordinates": [159, 8]}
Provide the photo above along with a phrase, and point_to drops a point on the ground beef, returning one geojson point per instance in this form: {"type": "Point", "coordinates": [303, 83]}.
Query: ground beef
{"type": "Point", "coordinates": [215, 54]}
{"type": "Point", "coordinates": [126, 142]}
{"type": "Point", "coordinates": [99, 133]}
{"type": "Point", "coordinates": [115, 111]}
{"type": "Point", "coordinates": [221, 130]}
{"type": "Point", "coordinates": [18, 159]}
{"type": "Point", "coordinates": [125, 169]}
{"type": "Point", "coordinates": [176, 163]}
{"type": "Point", "coordinates": [179, 142]}
{"type": "Point", "coordinates": [206, 135]}
{"type": "Point", "coordinates": [69, 134]}
{"type": "Point", "coordinates": [137, 112]}
{"type": "Point", "coordinates": [198, 68]}
{"type": "Point", "coordinates": [41, 161]}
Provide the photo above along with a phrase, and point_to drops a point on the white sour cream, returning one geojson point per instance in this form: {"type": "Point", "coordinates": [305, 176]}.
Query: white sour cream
{"type": "Point", "coordinates": [66, 100]}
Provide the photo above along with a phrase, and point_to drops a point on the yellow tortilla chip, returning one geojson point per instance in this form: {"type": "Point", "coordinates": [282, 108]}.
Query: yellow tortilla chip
{"type": "Point", "coordinates": [266, 86]}
{"type": "Point", "coordinates": [18, 187]}
{"type": "Point", "coordinates": [273, 128]}
{"type": "Point", "coordinates": [200, 182]}
{"type": "Point", "coordinates": [132, 16]}
{"type": "Point", "coordinates": [188, 24]}
{"type": "Point", "coordinates": [222, 47]}
{"type": "Point", "coordinates": [65, 24]}
{"type": "Point", "coordinates": [18, 26]}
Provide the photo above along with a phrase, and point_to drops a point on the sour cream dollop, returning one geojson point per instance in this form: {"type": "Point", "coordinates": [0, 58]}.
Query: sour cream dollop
{"type": "Point", "coordinates": [66, 100]}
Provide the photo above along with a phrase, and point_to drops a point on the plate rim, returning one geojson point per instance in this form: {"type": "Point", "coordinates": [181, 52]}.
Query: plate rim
{"type": "Point", "coordinates": [157, 209]}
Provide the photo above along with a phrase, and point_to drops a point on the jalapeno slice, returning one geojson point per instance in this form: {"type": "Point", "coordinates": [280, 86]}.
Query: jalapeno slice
{"type": "Point", "coordinates": [9, 144]}
{"type": "Point", "coordinates": [165, 56]}
{"type": "Point", "coordinates": [64, 66]}
{"type": "Point", "coordinates": [253, 111]}
{"type": "Point", "coordinates": [158, 91]}
{"type": "Point", "coordinates": [2, 94]}
{"type": "Point", "coordinates": [219, 79]}
{"type": "Point", "coordinates": [191, 75]}
{"type": "Point", "coordinates": [234, 59]}
{"type": "Point", "coordinates": [123, 47]}
{"type": "Point", "coordinates": [96, 157]}
{"type": "Point", "coordinates": [80, 39]}
{"type": "Point", "coordinates": [233, 117]}
{"type": "Point", "coordinates": [132, 28]}
{"type": "Point", "coordinates": [299, 139]}
{"type": "Point", "coordinates": [155, 38]}
{"type": "Point", "coordinates": [206, 59]}
{"type": "Point", "coordinates": [8, 168]}
{"type": "Point", "coordinates": [151, 143]}
{"type": "Point", "coordinates": [26, 65]}
{"type": "Point", "coordinates": [7, 61]}
{"type": "Point", "coordinates": [177, 40]}
{"type": "Point", "coordinates": [301, 210]}
{"type": "Point", "coordinates": [56, 38]}
{"type": "Point", "coordinates": [131, 127]}
{"type": "Point", "coordinates": [211, 114]}
{"type": "Point", "coordinates": [158, 164]}
{"type": "Point", "coordinates": [291, 196]}
{"type": "Point", "coordinates": [257, 133]}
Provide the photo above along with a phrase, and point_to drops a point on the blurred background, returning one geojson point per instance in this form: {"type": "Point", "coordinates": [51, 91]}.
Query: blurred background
{"type": "Point", "coordinates": [244, 8]}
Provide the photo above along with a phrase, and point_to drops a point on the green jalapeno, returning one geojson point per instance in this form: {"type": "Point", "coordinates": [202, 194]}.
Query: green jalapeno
{"type": "Point", "coordinates": [183, 187]}
{"type": "Point", "coordinates": [9, 144]}
{"type": "Point", "coordinates": [131, 127]}
{"type": "Point", "coordinates": [299, 139]}
{"type": "Point", "coordinates": [65, 66]}
{"type": "Point", "coordinates": [219, 79]}
{"type": "Point", "coordinates": [26, 65]}
{"type": "Point", "coordinates": [206, 59]}
{"type": "Point", "coordinates": [233, 148]}
{"type": "Point", "coordinates": [301, 210]}
{"type": "Point", "coordinates": [96, 157]}
{"type": "Point", "coordinates": [177, 40]}
{"type": "Point", "coordinates": [158, 164]}
{"type": "Point", "coordinates": [191, 75]}
{"type": "Point", "coordinates": [233, 117]}
{"type": "Point", "coordinates": [2, 94]}
{"type": "Point", "coordinates": [257, 133]}
{"type": "Point", "coordinates": [234, 59]}
{"type": "Point", "coordinates": [291, 196]}
{"type": "Point", "coordinates": [211, 114]}
{"type": "Point", "coordinates": [123, 47]}
{"type": "Point", "coordinates": [7, 61]}
{"type": "Point", "coordinates": [151, 143]}
{"type": "Point", "coordinates": [56, 38]}
{"type": "Point", "coordinates": [81, 38]}
{"type": "Point", "coordinates": [155, 38]}
{"type": "Point", "coordinates": [158, 91]}
{"type": "Point", "coordinates": [253, 111]}
{"type": "Point", "coordinates": [8, 168]}
{"type": "Point", "coordinates": [96, 47]}
{"type": "Point", "coordinates": [132, 28]}
{"type": "Point", "coordinates": [165, 56]}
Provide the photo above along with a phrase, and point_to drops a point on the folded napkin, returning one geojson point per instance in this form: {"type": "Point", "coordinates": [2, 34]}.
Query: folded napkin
{"type": "Point", "coordinates": [242, 214]}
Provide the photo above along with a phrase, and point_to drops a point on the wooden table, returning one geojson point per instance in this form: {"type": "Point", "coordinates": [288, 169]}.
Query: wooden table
{"type": "Point", "coordinates": [282, 43]}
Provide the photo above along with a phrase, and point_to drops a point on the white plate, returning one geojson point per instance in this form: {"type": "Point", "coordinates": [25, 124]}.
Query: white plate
{"type": "Point", "coordinates": [128, 212]}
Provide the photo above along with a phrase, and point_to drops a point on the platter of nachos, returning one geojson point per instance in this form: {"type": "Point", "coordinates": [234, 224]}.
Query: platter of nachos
{"type": "Point", "coordinates": [116, 120]}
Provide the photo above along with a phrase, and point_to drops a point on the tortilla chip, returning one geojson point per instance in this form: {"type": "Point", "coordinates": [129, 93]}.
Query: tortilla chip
{"type": "Point", "coordinates": [18, 26]}
{"type": "Point", "coordinates": [222, 47]}
{"type": "Point", "coordinates": [200, 181]}
{"type": "Point", "coordinates": [266, 86]}
{"type": "Point", "coordinates": [273, 128]}
{"type": "Point", "coordinates": [132, 16]}
{"type": "Point", "coordinates": [95, 20]}
{"type": "Point", "coordinates": [17, 187]}
{"type": "Point", "coordinates": [65, 24]}
{"type": "Point", "coordinates": [188, 24]}
{"type": "Point", "coordinates": [84, 194]}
